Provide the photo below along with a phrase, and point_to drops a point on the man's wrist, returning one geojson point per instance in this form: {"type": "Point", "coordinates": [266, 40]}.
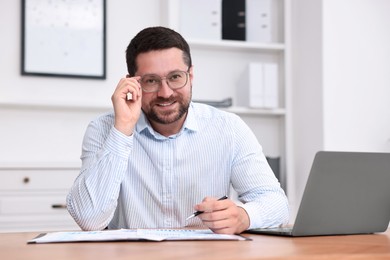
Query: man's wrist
{"type": "Point", "coordinates": [126, 130]}
{"type": "Point", "coordinates": [244, 221]}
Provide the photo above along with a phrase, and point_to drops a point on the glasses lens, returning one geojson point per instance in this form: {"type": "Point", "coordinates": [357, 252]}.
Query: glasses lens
{"type": "Point", "coordinates": [177, 79]}
{"type": "Point", "coordinates": [150, 83]}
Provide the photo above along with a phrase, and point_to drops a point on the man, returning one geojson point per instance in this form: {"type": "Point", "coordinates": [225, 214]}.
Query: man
{"type": "Point", "coordinates": [158, 157]}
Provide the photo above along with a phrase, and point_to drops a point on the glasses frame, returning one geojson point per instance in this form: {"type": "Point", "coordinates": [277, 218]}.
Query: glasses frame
{"type": "Point", "coordinates": [165, 78]}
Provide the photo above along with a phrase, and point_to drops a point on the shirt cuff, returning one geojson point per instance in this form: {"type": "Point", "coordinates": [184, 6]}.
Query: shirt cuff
{"type": "Point", "coordinates": [119, 143]}
{"type": "Point", "coordinates": [252, 210]}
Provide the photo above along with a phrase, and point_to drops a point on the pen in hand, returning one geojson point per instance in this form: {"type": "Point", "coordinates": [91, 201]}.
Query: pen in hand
{"type": "Point", "coordinates": [200, 212]}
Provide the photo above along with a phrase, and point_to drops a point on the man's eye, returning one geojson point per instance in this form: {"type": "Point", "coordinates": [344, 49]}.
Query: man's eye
{"type": "Point", "coordinates": [150, 81]}
{"type": "Point", "coordinates": [175, 76]}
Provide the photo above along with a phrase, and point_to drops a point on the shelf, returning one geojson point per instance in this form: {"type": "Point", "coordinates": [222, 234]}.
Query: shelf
{"type": "Point", "coordinates": [256, 111]}
{"type": "Point", "coordinates": [236, 45]}
{"type": "Point", "coordinates": [54, 105]}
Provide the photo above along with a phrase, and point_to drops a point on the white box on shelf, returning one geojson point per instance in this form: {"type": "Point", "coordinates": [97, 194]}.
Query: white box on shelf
{"type": "Point", "coordinates": [201, 19]}
{"type": "Point", "coordinates": [250, 93]}
{"type": "Point", "coordinates": [259, 86]}
{"type": "Point", "coordinates": [271, 93]}
{"type": "Point", "coordinates": [256, 85]}
{"type": "Point", "coordinates": [258, 21]}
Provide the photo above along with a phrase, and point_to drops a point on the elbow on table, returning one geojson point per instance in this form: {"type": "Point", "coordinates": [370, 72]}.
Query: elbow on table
{"type": "Point", "coordinates": [89, 223]}
{"type": "Point", "coordinates": [92, 222]}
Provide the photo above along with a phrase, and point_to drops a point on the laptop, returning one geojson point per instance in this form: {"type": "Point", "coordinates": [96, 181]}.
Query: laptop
{"type": "Point", "coordinates": [346, 193]}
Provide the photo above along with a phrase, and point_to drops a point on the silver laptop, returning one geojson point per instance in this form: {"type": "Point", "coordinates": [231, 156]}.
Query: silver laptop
{"type": "Point", "coordinates": [346, 193]}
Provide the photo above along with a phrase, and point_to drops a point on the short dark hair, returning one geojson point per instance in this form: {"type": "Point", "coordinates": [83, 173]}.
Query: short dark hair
{"type": "Point", "coordinates": [155, 38]}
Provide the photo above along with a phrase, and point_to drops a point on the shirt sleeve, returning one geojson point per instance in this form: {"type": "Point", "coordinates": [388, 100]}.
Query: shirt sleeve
{"type": "Point", "coordinates": [92, 199]}
{"type": "Point", "coordinates": [258, 189]}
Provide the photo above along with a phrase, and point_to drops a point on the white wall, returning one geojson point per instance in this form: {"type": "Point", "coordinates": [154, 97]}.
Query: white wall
{"type": "Point", "coordinates": [356, 74]}
{"type": "Point", "coordinates": [43, 118]}
{"type": "Point", "coordinates": [307, 85]}
{"type": "Point", "coordinates": [341, 79]}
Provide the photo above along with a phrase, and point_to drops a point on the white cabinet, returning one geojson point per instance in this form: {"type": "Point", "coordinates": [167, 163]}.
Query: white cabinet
{"type": "Point", "coordinates": [33, 198]}
{"type": "Point", "coordinates": [219, 66]}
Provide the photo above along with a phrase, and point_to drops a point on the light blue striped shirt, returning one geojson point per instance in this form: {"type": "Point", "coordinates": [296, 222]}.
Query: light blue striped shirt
{"type": "Point", "coordinates": [150, 181]}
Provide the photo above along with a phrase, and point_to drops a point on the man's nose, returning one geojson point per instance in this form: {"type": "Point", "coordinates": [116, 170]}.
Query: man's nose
{"type": "Point", "coordinates": [164, 91]}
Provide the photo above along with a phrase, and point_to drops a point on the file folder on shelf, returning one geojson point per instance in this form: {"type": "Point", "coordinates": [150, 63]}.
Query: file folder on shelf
{"type": "Point", "coordinates": [233, 20]}
{"type": "Point", "coordinates": [258, 21]}
{"type": "Point", "coordinates": [271, 95]}
{"type": "Point", "coordinates": [259, 86]}
{"type": "Point", "coordinates": [201, 19]}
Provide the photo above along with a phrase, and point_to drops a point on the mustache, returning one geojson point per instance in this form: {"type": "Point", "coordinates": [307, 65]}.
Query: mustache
{"type": "Point", "coordinates": [164, 100]}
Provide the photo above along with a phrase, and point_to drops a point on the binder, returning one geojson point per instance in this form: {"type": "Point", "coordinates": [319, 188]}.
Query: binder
{"type": "Point", "coordinates": [233, 20]}
{"type": "Point", "coordinates": [256, 85]}
{"type": "Point", "coordinates": [251, 90]}
{"type": "Point", "coordinates": [201, 19]}
{"type": "Point", "coordinates": [258, 21]}
{"type": "Point", "coordinates": [259, 87]}
{"type": "Point", "coordinates": [271, 93]}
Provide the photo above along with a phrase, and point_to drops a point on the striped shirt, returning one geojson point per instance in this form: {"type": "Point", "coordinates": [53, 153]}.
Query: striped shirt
{"type": "Point", "coordinates": [147, 180]}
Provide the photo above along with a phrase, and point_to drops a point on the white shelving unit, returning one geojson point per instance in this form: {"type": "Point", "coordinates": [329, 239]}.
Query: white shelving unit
{"type": "Point", "coordinates": [220, 65]}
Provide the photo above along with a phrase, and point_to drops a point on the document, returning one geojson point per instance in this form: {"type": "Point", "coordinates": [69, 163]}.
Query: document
{"type": "Point", "coordinates": [132, 235]}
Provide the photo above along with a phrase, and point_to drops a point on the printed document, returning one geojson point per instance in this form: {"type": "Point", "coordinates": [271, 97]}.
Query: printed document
{"type": "Point", "coordinates": [133, 235]}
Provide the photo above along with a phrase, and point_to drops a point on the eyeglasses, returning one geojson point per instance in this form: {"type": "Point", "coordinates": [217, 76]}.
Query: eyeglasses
{"type": "Point", "coordinates": [175, 80]}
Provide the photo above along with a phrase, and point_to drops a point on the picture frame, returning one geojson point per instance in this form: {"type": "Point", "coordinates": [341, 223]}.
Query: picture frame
{"type": "Point", "coordinates": [64, 38]}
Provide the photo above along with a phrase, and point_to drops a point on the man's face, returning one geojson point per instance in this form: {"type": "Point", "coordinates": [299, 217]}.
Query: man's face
{"type": "Point", "coordinates": [166, 106]}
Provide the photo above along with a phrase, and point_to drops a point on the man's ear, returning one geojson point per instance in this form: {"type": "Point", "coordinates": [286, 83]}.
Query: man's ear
{"type": "Point", "coordinates": [191, 71]}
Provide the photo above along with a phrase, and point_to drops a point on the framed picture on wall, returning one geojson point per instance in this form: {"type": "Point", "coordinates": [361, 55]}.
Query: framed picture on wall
{"type": "Point", "coordinates": [64, 38]}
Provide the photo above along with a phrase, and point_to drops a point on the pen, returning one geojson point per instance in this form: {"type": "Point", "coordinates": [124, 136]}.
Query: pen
{"type": "Point", "coordinates": [200, 212]}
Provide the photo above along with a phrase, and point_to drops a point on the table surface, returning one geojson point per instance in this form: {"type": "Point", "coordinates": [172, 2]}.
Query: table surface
{"type": "Point", "coordinates": [374, 246]}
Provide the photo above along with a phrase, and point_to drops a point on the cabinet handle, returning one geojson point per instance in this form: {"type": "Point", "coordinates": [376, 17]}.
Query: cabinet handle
{"type": "Point", "coordinates": [58, 206]}
{"type": "Point", "coordinates": [26, 180]}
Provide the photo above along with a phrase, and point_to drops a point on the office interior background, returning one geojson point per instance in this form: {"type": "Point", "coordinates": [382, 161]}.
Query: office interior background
{"type": "Point", "coordinates": [336, 89]}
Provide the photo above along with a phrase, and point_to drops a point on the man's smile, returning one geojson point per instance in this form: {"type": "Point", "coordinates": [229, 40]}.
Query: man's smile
{"type": "Point", "coordinates": [165, 104]}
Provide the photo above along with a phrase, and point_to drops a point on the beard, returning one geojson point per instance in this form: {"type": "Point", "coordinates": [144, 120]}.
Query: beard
{"type": "Point", "coordinates": [169, 116]}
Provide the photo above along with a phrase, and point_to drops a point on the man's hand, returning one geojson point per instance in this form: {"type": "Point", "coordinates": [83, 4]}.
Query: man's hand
{"type": "Point", "coordinates": [126, 111]}
{"type": "Point", "coordinates": [223, 216]}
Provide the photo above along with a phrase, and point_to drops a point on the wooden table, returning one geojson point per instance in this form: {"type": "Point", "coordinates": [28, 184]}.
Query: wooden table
{"type": "Point", "coordinates": [13, 246]}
